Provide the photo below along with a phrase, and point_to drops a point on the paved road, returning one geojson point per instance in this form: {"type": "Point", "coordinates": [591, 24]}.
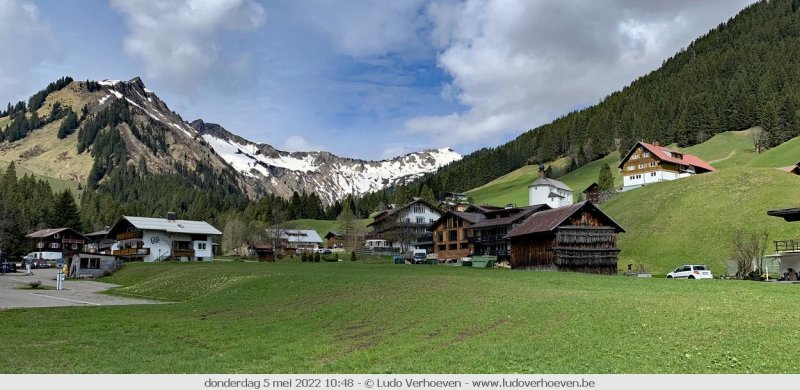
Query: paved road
{"type": "Point", "coordinates": [75, 293]}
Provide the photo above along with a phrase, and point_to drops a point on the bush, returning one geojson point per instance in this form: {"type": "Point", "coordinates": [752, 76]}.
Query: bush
{"type": "Point", "coordinates": [317, 258]}
{"type": "Point", "coordinates": [35, 284]}
{"type": "Point", "coordinates": [352, 255]}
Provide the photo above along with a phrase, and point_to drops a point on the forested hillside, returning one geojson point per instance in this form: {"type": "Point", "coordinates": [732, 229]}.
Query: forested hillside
{"type": "Point", "coordinates": [743, 73]}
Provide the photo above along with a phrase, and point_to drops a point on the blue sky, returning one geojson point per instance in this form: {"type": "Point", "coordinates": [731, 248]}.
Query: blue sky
{"type": "Point", "coordinates": [366, 79]}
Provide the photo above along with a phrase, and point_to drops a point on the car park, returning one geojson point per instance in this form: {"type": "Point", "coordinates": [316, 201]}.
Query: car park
{"type": "Point", "coordinates": [691, 272]}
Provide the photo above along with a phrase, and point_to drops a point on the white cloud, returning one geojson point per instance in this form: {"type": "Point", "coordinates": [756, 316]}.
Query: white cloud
{"type": "Point", "coordinates": [27, 42]}
{"type": "Point", "coordinates": [179, 41]}
{"type": "Point", "coordinates": [517, 64]}
{"type": "Point", "coordinates": [297, 143]}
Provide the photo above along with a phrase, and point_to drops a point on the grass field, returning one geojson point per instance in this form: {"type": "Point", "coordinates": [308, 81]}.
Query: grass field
{"type": "Point", "coordinates": [692, 220]}
{"type": "Point", "coordinates": [355, 318]}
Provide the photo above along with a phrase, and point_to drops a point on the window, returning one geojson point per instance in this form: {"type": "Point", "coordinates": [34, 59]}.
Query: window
{"type": "Point", "coordinates": [646, 154]}
{"type": "Point", "coordinates": [652, 174]}
{"type": "Point", "coordinates": [442, 247]}
{"type": "Point", "coordinates": [55, 245]}
{"type": "Point", "coordinates": [634, 156]}
{"type": "Point", "coordinates": [40, 245]}
{"type": "Point", "coordinates": [439, 236]}
{"type": "Point", "coordinates": [201, 246]}
{"type": "Point", "coordinates": [57, 236]}
{"type": "Point", "coordinates": [631, 167]}
{"type": "Point", "coordinates": [90, 263]}
{"type": "Point", "coordinates": [452, 235]}
{"type": "Point", "coordinates": [464, 245]}
{"type": "Point", "coordinates": [452, 247]}
{"type": "Point", "coordinates": [653, 163]}
{"type": "Point", "coordinates": [74, 247]}
{"type": "Point", "coordinates": [641, 166]}
{"type": "Point", "coordinates": [420, 219]}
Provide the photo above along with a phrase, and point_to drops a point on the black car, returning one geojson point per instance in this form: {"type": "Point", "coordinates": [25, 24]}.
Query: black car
{"type": "Point", "coordinates": [8, 266]}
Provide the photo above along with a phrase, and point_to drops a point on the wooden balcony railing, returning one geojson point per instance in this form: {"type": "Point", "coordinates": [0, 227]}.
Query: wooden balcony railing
{"type": "Point", "coordinates": [177, 253]}
{"type": "Point", "coordinates": [787, 246]}
{"type": "Point", "coordinates": [132, 252]}
{"type": "Point", "coordinates": [129, 235]}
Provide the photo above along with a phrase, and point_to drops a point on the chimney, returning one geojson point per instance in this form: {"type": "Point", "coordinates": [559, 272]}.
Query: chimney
{"type": "Point", "coordinates": [171, 216]}
{"type": "Point", "coordinates": [541, 170]}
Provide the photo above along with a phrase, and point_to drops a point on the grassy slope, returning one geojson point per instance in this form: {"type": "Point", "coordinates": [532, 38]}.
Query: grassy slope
{"type": "Point", "coordinates": [692, 220]}
{"type": "Point", "coordinates": [321, 226]}
{"type": "Point", "coordinates": [512, 187]}
{"type": "Point", "coordinates": [725, 150]}
{"type": "Point", "coordinates": [782, 155]}
{"type": "Point", "coordinates": [355, 318]}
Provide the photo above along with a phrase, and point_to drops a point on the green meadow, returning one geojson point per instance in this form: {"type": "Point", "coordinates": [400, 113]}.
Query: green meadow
{"type": "Point", "coordinates": [351, 317]}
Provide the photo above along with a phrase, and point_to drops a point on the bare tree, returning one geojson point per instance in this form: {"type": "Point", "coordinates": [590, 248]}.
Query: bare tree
{"type": "Point", "coordinates": [351, 228]}
{"type": "Point", "coordinates": [759, 137]}
{"type": "Point", "coordinates": [748, 247]}
{"type": "Point", "coordinates": [277, 231]}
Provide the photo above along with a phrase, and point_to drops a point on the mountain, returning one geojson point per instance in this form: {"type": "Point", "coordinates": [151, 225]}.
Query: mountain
{"type": "Point", "coordinates": [330, 176]}
{"type": "Point", "coordinates": [124, 125]}
{"type": "Point", "coordinates": [741, 74]}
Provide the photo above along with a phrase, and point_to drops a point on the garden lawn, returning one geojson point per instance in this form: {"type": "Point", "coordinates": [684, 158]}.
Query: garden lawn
{"type": "Point", "coordinates": [351, 317]}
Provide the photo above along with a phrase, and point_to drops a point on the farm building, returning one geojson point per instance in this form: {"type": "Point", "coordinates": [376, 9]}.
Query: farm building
{"type": "Point", "coordinates": [592, 193]}
{"type": "Point", "coordinates": [578, 237]}
{"type": "Point", "coordinates": [334, 239]}
{"type": "Point", "coordinates": [551, 192]}
{"type": "Point", "coordinates": [93, 265]}
{"type": "Point", "coordinates": [787, 251]}
{"type": "Point", "coordinates": [489, 235]}
{"type": "Point", "coordinates": [651, 163]}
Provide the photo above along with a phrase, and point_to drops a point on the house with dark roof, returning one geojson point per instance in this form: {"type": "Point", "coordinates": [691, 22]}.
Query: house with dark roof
{"type": "Point", "coordinates": [578, 237]}
{"type": "Point", "coordinates": [551, 192]}
{"type": "Point", "coordinates": [452, 236]}
{"type": "Point", "coordinates": [58, 243]}
{"type": "Point", "coordinates": [488, 236]}
{"type": "Point", "coordinates": [651, 163]}
{"type": "Point", "coordinates": [405, 225]}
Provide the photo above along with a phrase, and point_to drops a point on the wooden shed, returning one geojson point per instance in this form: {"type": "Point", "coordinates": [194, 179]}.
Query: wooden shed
{"type": "Point", "coordinates": [592, 193]}
{"type": "Point", "coordinates": [578, 238]}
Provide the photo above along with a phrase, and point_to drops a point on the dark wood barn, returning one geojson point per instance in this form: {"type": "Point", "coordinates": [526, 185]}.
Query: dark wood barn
{"type": "Point", "coordinates": [578, 238]}
{"type": "Point", "coordinates": [592, 193]}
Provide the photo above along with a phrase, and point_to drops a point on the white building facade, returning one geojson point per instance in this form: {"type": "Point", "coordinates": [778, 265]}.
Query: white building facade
{"type": "Point", "coordinates": [157, 239]}
{"type": "Point", "coordinates": [549, 191]}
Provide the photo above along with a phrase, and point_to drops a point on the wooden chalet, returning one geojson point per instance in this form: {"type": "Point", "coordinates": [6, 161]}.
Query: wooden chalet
{"type": "Point", "coordinates": [489, 235]}
{"type": "Point", "coordinates": [402, 226]}
{"type": "Point", "coordinates": [579, 238]}
{"type": "Point", "coordinates": [651, 163]}
{"type": "Point", "coordinates": [60, 243]}
{"type": "Point", "coordinates": [452, 234]}
{"type": "Point", "coordinates": [333, 239]}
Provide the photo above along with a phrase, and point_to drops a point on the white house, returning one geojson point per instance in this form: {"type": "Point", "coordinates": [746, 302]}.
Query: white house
{"type": "Point", "coordinates": [651, 163]}
{"type": "Point", "coordinates": [156, 239]}
{"type": "Point", "coordinates": [549, 191]}
{"type": "Point", "coordinates": [401, 226]}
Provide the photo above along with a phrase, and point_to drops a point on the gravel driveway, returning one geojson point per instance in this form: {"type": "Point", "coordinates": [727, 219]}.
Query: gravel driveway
{"type": "Point", "coordinates": [14, 292]}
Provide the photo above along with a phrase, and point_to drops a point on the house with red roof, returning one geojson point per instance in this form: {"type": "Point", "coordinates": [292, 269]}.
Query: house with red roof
{"type": "Point", "coordinates": [651, 163]}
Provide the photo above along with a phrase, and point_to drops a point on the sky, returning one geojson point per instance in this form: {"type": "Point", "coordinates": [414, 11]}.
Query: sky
{"type": "Point", "coordinates": [359, 78]}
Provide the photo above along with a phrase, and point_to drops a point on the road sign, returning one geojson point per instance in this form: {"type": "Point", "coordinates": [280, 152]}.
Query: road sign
{"type": "Point", "coordinates": [60, 263]}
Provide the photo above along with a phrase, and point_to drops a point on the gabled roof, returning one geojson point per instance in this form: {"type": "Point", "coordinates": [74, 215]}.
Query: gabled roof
{"type": "Point", "coordinates": [472, 218]}
{"type": "Point", "coordinates": [298, 235]}
{"type": "Point", "coordinates": [170, 226]}
{"type": "Point", "coordinates": [554, 195]}
{"type": "Point", "coordinates": [665, 154]}
{"type": "Point", "coordinates": [516, 214]}
{"type": "Point", "coordinates": [483, 208]}
{"type": "Point", "coordinates": [549, 220]}
{"type": "Point", "coordinates": [333, 234]}
{"type": "Point", "coordinates": [589, 188]}
{"type": "Point", "coordinates": [387, 214]}
{"type": "Point", "coordinates": [546, 181]}
{"type": "Point", "coordinates": [49, 232]}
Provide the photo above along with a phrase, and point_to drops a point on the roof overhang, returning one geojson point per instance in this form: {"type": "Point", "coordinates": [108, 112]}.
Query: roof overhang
{"type": "Point", "coordinates": [789, 215]}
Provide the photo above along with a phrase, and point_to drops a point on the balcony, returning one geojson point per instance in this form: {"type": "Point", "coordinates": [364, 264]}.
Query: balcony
{"type": "Point", "coordinates": [178, 253]}
{"type": "Point", "coordinates": [129, 235]}
{"type": "Point", "coordinates": [131, 252]}
{"type": "Point", "coordinates": [787, 246]}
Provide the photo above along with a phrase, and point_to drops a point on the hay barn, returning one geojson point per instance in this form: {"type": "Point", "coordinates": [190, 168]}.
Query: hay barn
{"type": "Point", "coordinates": [578, 238]}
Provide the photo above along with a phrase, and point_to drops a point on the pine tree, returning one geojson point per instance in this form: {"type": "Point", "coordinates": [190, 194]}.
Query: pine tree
{"type": "Point", "coordinates": [605, 179]}
{"type": "Point", "coordinates": [427, 194]}
{"type": "Point", "coordinates": [65, 212]}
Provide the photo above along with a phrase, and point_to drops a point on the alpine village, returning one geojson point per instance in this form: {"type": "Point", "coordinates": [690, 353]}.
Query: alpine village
{"type": "Point", "coordinates": [689, 172]}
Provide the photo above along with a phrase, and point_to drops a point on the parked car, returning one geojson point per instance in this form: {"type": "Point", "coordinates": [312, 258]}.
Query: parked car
{"type": "Point", "coordinates": [691, 272]}
{"type": "Point", "coordinates": [8, 266]}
